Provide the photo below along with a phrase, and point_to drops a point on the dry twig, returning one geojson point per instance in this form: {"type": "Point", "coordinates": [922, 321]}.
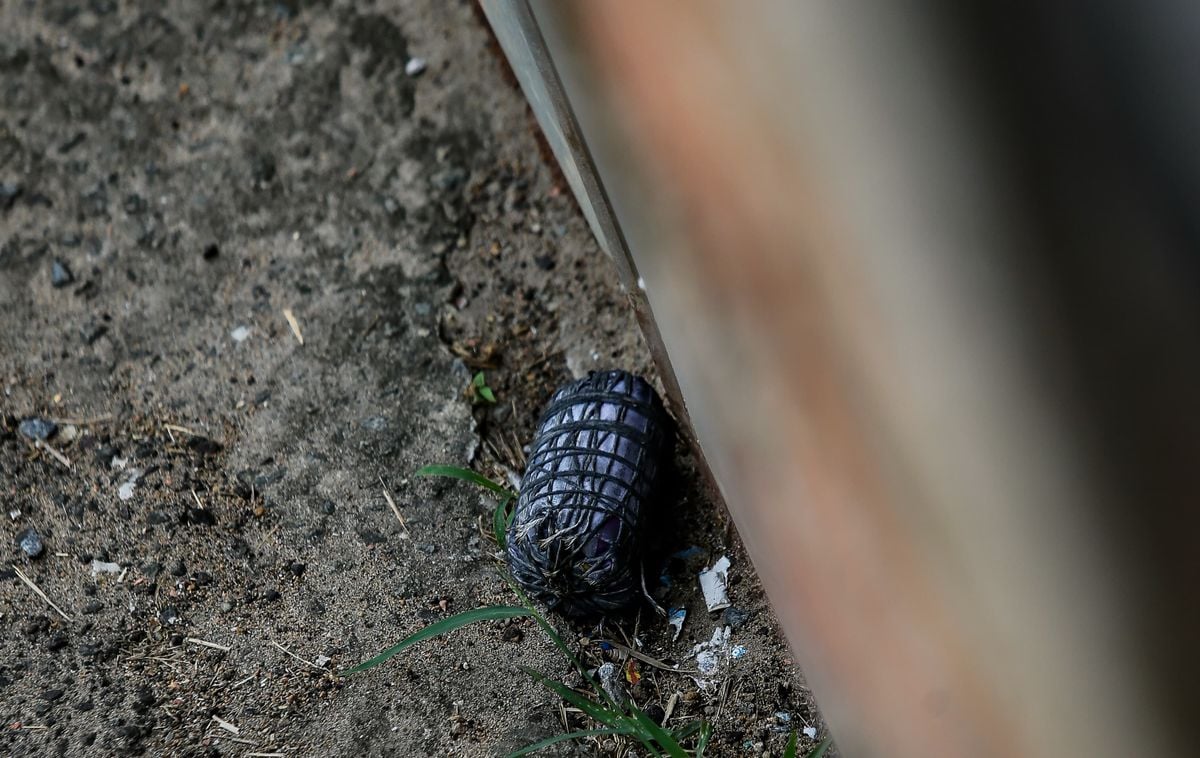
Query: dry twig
{"type": "Point", "coordinates": [292, 322]}
{"type": "Point", "coordinates": [387, 496]}
{"type": "Point", "coordinates": [302, 660]}
{"type": "Point", "coordinates": [42, 595]}
{"type": "Point", "coordinates": [206, 643]}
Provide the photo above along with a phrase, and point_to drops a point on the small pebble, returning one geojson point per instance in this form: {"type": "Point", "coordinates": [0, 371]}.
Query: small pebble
{"type": "Point", "coordinates": [610, 680]}
{"type": "Point", "coordinates": [328, 508]}
{"type": "Point", "coordinates": [735, 618]}
{"type": "Point", "coordinates": [92, 331]}
{"type": "Point", "coordinates": [449, 180]}
{"type": "Point", "coordinates": [272, 594]}
{"type": "Point", "coordinates": [37, 428]}
{"type": "Point", "coordinates": [240, 333]}
{"type": "Point", "coordinates": [415, 66]}
{"type": "Point", "coordinates": [60, 274]}
{"type": "Point", "coordinates": [8, 194]}
{"type": "Point", "coordinates": [199, 516]}
{"type": "Point", "coordinates": [656, 713]}
{"type": "Point", "coordinates": [31, 542]}
{"type": "Point", "coordinates": [211, 252]}
{"type": "Point", "coordinates": [371, 537]}
{"type": "Point", "coordinates": [375, 423]}
{"type": "Point", "coordinates": [297, 568]}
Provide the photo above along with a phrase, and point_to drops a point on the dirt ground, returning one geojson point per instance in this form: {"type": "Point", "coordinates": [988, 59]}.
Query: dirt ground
{"type": "Point", "coordinates": [199, 170]}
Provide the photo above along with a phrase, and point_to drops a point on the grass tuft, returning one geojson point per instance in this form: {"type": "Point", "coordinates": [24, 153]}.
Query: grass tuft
{"type": "Point", "coordinates": [616, 720]}
{"type": "Point", "coordinates": [487, 613]}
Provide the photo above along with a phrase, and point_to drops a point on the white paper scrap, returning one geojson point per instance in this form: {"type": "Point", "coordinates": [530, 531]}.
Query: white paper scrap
{"type": "Point", "coordinates": [714, 582]}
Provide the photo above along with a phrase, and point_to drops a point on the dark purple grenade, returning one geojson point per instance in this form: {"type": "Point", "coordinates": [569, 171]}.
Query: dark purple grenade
{"type": "Point", "coordinates": [595, 465]}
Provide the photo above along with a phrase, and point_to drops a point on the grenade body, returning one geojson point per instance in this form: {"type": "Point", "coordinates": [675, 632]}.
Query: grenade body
{"type": "Point", "coordinates": [595, 467]}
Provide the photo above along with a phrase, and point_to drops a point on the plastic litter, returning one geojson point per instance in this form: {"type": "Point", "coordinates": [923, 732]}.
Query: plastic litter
{"type": "Point", "coordinates": [675, 618]}
{"type": "Point", "coordinates": [709, 655]}
{"type": "Point", "coordinates": [714, 583]}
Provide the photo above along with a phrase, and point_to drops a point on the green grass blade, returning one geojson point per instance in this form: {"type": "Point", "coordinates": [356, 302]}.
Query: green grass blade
{"type": "Point", "coordinates": [687, 730]}
{"type": "Point", "coordinates": [819, 750]}
{"type": "Point", "coordinates": [597, 712]}
{"type": "Point", "coordinates": [500, 521]}
{"type": "Point", "coordinates": [558, 641]}
{"type": "Point", "coordinates": [790, 750]}
{"type": "Point", "coordinates": [467, 475]}
{"type": "Point", "coordinates": [706, 733]}
{"type": "Point", "coordinates": [658, 734]}
{"type": "Point", "coordinates": [563, 738]}
{"type": "Point", "coordinates": [487, 613]}
{"type": "Point", "coordinates": [612, 717]}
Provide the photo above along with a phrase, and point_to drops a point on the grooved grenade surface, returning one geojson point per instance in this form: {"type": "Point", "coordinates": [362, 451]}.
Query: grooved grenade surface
{"type": "Point", "coordinates": [576, 537]}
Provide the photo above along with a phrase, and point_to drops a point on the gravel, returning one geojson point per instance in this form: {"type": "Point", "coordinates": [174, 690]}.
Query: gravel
{"type": "Point", "coordinates": [37, 428]}
{"type": "Point", "coordinates": [31, 543]}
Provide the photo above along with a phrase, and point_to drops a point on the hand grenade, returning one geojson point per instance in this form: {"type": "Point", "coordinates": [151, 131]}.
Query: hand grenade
{"type": "Point", "coordinates": [576, 538]}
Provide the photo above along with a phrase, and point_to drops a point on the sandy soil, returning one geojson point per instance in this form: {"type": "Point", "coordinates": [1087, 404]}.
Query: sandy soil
{"type": "Point", "coordinates": [200, 169]}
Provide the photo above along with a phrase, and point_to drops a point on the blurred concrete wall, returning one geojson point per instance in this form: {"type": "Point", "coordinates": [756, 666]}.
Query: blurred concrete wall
{"type": "Point", "coordinates": [927, 284]}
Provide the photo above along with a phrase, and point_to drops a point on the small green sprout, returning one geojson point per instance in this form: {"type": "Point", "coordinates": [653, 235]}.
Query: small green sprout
{"type": "Point", "coordinates": [479, 391]}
